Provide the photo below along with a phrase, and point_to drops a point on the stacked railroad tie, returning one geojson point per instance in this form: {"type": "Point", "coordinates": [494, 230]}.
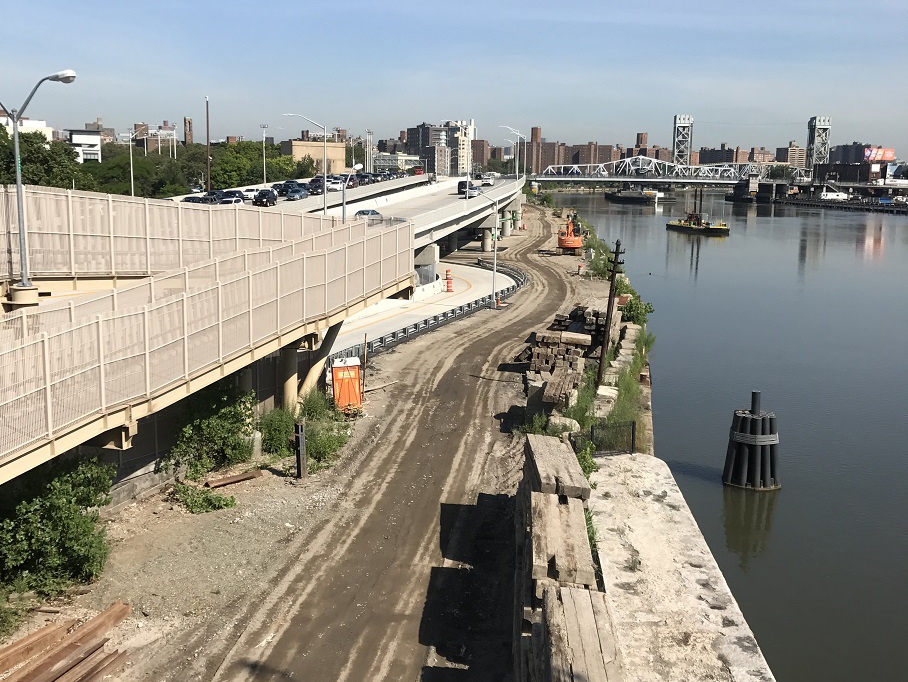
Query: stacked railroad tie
{"type": "Point", "coordinates": [562, 627]}
{"type": "Point", "coordinates": [65, 651]}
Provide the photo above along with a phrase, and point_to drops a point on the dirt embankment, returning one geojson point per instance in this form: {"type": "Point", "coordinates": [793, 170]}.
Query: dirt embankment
{"type": "Point", "coordinates": [397, 561]}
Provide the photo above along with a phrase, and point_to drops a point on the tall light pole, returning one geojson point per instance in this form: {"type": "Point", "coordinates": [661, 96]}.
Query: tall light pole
{"type": "Point", "coordinates": [67, 76]}
{"type": "Point", "coordinates": [132, 180]}
{"type": "Point", "coordinates": [494, 247]}
{"type": "Point", "coordinates": [517, 155]}
{"type": "Point", "coordinates": [264, 127]}
{"type": "Point", "coordinates": [355, 168]}
{"type": "Point", "coordinates": [324, 158]}
{"type": "Point", "coordinates": [207, 144]}
{"type": "Point", "coordinates": [368, 150]}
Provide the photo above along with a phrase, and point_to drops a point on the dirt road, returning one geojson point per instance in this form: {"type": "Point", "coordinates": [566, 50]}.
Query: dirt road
{"type": "Point", "coordinates": [404, 572]}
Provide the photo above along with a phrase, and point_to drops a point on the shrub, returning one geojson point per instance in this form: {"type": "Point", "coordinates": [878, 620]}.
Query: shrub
{"type": "Point", "coordinates": [636, 311]}
{"type": "Point", "coordinates": [535, 424]}
{"type": "Point", "coordinates": [277, 430]}
{"type": "Point", "coordinates": [216, 431]}
{"type": "Point", "coordinates": [323, 440]}
{"type": "Point", "coordinates": [201, 500]}
{"type": "Point", "coordinates": [317, 405]}
{"type": "Point", "coordinates": [585, 457]}
{"type": "Point", "coordinates": [49, 531]}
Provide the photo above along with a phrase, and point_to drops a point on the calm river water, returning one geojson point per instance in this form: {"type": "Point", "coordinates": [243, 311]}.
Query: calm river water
{"type": "Point", "coordinates": [811, 308]}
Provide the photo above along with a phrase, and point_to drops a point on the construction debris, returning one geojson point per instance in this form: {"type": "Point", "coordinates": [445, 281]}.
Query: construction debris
{"type": "Point", "coordinates": [227, 480]}
{"type": "Point", "coordinates": [59, 652]}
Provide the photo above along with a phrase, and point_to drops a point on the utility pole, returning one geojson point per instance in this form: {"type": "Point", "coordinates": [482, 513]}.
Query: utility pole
{"type": "Point", "coordinates": [207, 143]}
{"type": "Point", "coordinates": [613, 275]}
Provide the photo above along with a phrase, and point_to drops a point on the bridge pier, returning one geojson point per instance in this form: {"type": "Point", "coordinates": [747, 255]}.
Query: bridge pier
{"type": "Point", "coordinates": [318, 361]}
{"type": "Point", "coordinates": [425, 262]}
{"type": "Point", "coordinates": [288, 375]}
{"type": "Point", "coordinates": [452, 242]}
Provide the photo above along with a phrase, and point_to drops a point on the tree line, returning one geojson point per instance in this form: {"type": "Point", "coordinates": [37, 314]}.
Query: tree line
{"type": "Point", "coordinates": [155, 174]}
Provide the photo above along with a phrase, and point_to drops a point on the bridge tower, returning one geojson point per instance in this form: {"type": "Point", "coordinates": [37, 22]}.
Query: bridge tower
{"type": "Point", "coordinates": [681, 139]}
{"type": "Point", "coordinates": [818, 140]}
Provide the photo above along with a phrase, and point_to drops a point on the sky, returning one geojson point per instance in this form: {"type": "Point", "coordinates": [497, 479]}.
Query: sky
{"type": "Point", "coordinates": [751, 74]}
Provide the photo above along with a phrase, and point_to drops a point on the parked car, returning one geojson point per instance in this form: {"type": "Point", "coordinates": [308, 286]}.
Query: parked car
{"type": "Point", "coordinates": [249, 193]}
{"type": "Point", "coordinates": [335, 185]}
{"type": "Point", "coordinates": [209, 199]}
{"type": "Point", "coordinates": [419, 170]}
{"type": "Point", "coordinates": [368, 213]}
{"type": "Point", "coordinates": [364, 178]}
{"type": "Point", "coordinates": [233, 194]}
{"type": "Point", "coordinates": [196, 189]}
{"type": "Point", "coordinates": [216, 193]}
{"type": "Point", "coordinates": [315, 190]}
{"type": "Point", "coordinates": [276, 187]}
{"type": "Point", "coordinates": [352, 181]}
{"type": "Point", "coordinates": [265, 197]}
{"type": "Point", "coordinates": [296, 193]}
{"type": "Point", "coordinates": [193, 199]}
{"type": "Point", "coordinates": [231, 200]}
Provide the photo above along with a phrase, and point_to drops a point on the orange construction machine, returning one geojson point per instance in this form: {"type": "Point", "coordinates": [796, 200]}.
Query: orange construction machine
{"type": "Point", "coordinates": [570, 241]}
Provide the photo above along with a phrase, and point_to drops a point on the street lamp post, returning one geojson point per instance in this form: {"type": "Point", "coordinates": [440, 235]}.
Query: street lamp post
{"type": "Point", "coordinates": [355, 168]}
{"type": "Point", "coordinates": [25, 288]}
{"type": "Point", "coordinates": [264, 127]}
{"type": "Point", "coordinates": [517, 155]}
{"type": "Point", "coordinates": [132, 180]}
{"type": "Point", "coordinates": [494, 248]}
{"type": "Point", "coordinates": [324, 158]}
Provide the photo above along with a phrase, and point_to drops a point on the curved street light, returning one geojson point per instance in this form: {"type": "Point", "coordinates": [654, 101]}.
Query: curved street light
{"type": "Point", "coordinates": [517, 155]}
{"type": "Point", "coordinates": [324, 158]}
{"type": "Point", "coordinates": [356, 167]}
{"type": "Point", "coordinates": [27, 293]}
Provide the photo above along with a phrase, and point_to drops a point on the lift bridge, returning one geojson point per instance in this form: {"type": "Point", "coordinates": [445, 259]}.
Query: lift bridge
{"type": "Point", "coordinates": [643, 169]}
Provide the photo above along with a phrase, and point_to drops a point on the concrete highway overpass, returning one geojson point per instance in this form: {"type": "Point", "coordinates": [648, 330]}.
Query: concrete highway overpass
{"type": "Point", "coordinates": [181, 295]}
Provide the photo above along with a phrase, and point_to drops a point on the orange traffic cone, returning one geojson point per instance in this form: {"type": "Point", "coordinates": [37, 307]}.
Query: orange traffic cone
{"type": "Point", "coordinates": [450, 287]}
{"type": "Point", "coordinates": [448, 274]}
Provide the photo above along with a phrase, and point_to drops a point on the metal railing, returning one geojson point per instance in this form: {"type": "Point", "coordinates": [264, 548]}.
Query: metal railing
{"type": "Point", "coordinates": [435, 321]}
{"type": "Point", "coordinates": [182, 324]}
{"type": "Point", "coordinates": [87, 234]}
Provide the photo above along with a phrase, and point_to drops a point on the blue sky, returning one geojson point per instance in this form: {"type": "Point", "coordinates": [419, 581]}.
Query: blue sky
{"type": "Point", "coordinates": [750, 73]}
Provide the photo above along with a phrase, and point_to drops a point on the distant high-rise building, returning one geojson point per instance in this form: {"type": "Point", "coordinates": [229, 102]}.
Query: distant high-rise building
{"type": "Point", "coordinates": [187, 131]}
{"type": "Point", "coordinates": [642, 140]}
{"type": "Point", "coordinates": [793, 155]}
{"type": "Point", "coordinates": [536, 135]}
{"type": "Point", "coordinates": [107, 134]}
{"type": "Point", "coordinates": [481, 152]}
{"type": "Point", "coordinates": [761, 155]}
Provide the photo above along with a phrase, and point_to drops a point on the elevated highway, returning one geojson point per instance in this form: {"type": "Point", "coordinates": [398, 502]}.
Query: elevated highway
{"type": "Point", "coordinates": [197, 293]}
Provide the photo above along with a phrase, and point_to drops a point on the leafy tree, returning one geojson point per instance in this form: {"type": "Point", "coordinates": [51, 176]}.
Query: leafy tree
{"type": "Point", "coordinates": [232, 169]}
{"type": "Point", "coordinates": [51, 164]}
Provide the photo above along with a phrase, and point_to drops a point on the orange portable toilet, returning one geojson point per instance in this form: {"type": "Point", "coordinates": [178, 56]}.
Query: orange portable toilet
{"type": "Point", "coordinates": [346, 381]}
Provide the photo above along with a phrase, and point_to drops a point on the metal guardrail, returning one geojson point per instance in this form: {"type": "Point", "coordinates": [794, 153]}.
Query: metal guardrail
{"type": "Point", "coordinates": [434, 321]}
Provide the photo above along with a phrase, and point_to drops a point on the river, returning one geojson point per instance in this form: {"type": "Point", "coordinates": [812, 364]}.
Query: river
{"type": "Point", "coordinates": [811, 308]}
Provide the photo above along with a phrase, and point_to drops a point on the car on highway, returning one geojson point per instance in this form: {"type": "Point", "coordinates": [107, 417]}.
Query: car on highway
{"type": "Point", "coordinates": [296, 193]}
{"type": "Point", "coordinates": [368, 213]}
{"type": "Point", "coordinates": [193, 199]}
{"type": "Point", "coordinates": [216, 193]}
{"type": "Point", "coordinates": [335, 185]}
{"type": "Point", "coordinates": [488, 179]}
{"type": "Point", "coordinates": [315, 190]}
{"type": "Point", "coordinates": [233, 194]}
{"type": "Point", "coordinates": [464, 185]}
{"type": "Point", "coordinates": [249, 193]}
{"type": "Point", "coordinates": [472, 191]}
{"type": "Point", "coordinates": [209, 199]}
{"type": "Point", "coordinates": [230, 201]}
{"type": "Point", "coordinates": [265, 197]}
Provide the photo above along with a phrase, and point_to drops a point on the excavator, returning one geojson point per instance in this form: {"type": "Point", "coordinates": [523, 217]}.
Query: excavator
{"type": "Point", "coordinates": [570, 239]}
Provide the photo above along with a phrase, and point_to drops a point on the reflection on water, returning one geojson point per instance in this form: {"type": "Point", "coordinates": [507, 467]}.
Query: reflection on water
{"type": "Point", "coordinates": [808, 306]}
{"type": "Point", "coordinates": [747, 516]}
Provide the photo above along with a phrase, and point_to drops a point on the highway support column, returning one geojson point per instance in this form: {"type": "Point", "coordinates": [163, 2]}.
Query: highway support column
{"type": "Point", "coordinates": [319, 359]}
{"type": "Point", "coordinates": [288, 375]}
{"type": "Point", "coordinates": [425, 262]}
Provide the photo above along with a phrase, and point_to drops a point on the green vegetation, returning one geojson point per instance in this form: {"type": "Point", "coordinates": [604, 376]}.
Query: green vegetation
{"type": "Point", "coordinates": [216, 431]}
{"type": "Point", "coordinates": [277, 430]}
{"type": "Point", "coordinates": [53, 164]}
{"type": "Point", "coordinates": [635, 311]}
{"type": "Point", "coordinates": [50, 536]}
{"type": "Point", "coordinates": [201, 500]}
{"type": "Point", "coordinates": [591, 532]}
{"type": "Point", "coordinates": [155, 175]}
{"type": "Point", "coordinates": [582, 410]}
{"type": "Point", "coordinates": [585, 457]}
{"type": "Point", "coordinates": [326, 430]}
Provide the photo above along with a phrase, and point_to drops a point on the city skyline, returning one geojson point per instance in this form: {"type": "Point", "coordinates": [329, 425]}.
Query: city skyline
{"type": "Point", "coordinates": [750, 76]}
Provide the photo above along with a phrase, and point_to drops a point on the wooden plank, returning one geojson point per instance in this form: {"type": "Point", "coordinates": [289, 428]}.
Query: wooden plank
{"type": "Point", "coordinates": [85, 666]}
{"type": "Point", "coordinates": [589, 637]}
{"type": "Point", "coordinates": [108, 667]}
{"type": "Point", "coordinates": [227, 480]}
{"type": "Point", "coordinates": [608, 644]}
{"type": "Point", "coordinates": [82, 652]}
{"type": "Point", "coordinates": [572, 637]}
{"type": "Point", "coordinates": [554, 644]}
{"type": "Point", "coordinates": [539, 534]}
{"type": "Point", "coordinates": [37, 641]}
{"type": "Point", "coordinates": [577, 545]}
{"type": "Point", "coordinates": [92, 628]}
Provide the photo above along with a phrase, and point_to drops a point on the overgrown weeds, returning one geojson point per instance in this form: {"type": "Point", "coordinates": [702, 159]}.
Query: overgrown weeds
{"type": "Point", "coordinates": [216, 431]}
{"type": "Point", "coordinates": [277, 428]}
{"type": "Point", "coordinates": [201, 500]}
{"type": "Point", "coordinates": [50, 535]}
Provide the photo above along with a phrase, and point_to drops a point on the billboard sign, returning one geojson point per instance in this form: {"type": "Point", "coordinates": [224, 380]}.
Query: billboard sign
{"type": "Point", "coordinates": [878, 154]}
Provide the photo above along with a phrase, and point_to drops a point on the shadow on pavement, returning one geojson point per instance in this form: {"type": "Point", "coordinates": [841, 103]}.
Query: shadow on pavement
{"type": "Point", "coordinates": [468, 612]}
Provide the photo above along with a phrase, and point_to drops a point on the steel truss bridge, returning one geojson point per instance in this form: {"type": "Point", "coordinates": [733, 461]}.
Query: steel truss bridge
{"type": "Point", "coordinates": [644, 169]}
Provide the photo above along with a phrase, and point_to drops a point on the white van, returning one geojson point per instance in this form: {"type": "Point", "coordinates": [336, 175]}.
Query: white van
{"type": "Point", "coordinates": [833, 196]}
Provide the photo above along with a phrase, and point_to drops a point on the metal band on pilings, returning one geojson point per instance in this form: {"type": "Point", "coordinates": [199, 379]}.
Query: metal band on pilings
{"type": "Point", "coordinates": [771, 439]}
